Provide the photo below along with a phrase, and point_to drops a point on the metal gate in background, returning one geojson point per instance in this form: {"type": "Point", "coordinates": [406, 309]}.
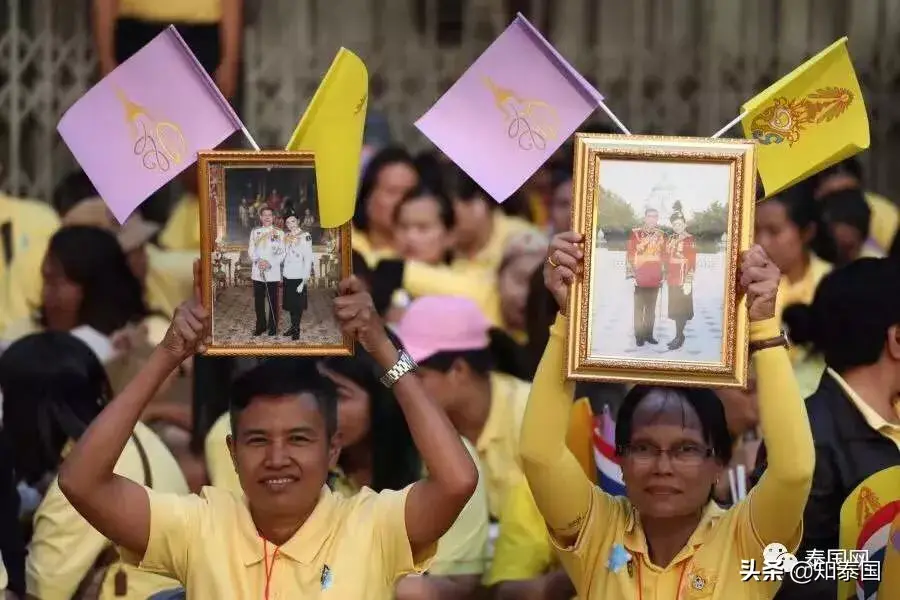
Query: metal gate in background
{"type": "Point", "coordinates": [665, 66]}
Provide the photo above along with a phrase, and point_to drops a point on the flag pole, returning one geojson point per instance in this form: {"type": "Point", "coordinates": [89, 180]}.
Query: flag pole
{"type": "Point", "coordinates": [614, 118]}
{"type": "Point", "coordinates": [731, 124]}
{"type": "Point", "coordinates": [249, 137]}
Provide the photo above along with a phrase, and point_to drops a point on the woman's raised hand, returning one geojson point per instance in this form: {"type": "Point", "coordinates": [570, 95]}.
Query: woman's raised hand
{"type": "Point", "coordinates": [563, 264]}
{"type": "Point", "coordinates": [759, 279]}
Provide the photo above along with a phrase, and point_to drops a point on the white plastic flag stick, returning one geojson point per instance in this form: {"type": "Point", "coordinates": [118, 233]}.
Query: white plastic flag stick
{"type": "Point", "coordinates": [249, 137]}
{"type": "Point", "coordinates": [731, 124]}
{"type": "Point", "coordinates": [614, 118]}
{"type": "Point", "coordinates": [742, 481]}
{"type": "Point", "coordinates": [732, 485]}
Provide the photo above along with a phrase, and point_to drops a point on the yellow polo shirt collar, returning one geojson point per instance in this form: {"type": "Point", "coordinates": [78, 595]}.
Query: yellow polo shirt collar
{"type": "Point", "coordinates": [889, 430]}
{"type": "Point", "coordinates": [303, 545]}
{"type": "Point", "coordinates": [636, 542]}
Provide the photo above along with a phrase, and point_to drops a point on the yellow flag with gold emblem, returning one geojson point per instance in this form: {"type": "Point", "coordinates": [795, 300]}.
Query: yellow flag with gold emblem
{"type": "Point", "coordinates": [870, 533]}
{"type": "Point", "coordinates": [332, 127]}
{"type": "Point", "coordinates": [808, 120]}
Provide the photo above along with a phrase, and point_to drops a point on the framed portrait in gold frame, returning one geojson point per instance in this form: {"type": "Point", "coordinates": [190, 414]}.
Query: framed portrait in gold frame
{"type": "Point", "coordinates": [664, 220]}
{"type": "Point", "coordinates": [270, 273]}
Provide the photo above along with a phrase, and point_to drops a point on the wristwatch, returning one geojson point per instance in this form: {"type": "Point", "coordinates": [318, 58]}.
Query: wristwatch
{"type": "Point", "coordinates": [780, 340]}
{"type": "Point", "coordinates": [405, 364]}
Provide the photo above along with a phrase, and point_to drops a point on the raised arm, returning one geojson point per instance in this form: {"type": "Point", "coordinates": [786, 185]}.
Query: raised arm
{"type": "Point", "coordinates": [116, 506]}
{"type": "Point", "coordinates": [433, 503]}
{"type": "Point", "coordinates": [778, 500]}
{"type": "Point", "coordinates": [561, 490]}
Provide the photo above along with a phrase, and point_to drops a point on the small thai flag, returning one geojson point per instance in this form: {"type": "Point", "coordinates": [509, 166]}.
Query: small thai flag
{"type": "Point", "coordinates": [609, 474]}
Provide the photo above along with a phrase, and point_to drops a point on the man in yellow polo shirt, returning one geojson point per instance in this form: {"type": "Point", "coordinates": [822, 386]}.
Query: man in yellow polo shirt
{"type": "Point", "coordinates": [289, 536]}
{"type": "Point", "coordinates": [448, 336]}
{"type": "Point", "coordinates": [461, 551]}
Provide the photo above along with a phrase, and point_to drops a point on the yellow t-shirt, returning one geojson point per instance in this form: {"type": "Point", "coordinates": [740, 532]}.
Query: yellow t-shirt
{"type": "Point", "coordinates": [884, 221]}
{"type": "Point", "coordinates": [420, 279]}
{"type": "Point", "coordinates": [489, 258]}
{"type": "Point", "coordinates": [352, 547]}
{"type": "Point", "coordinates": [360, 242]}
{"type": "Point", "coordinates": [498, 444]}
{"type": "Point", "coordinates": [808, 368]}
{"type": "Point", "coordinates": [64, 546]}
{"type": "Point", "coordinates": [182, 230]}
{"type": "Point", "coordinates": [33, 224]}
{"type": "Point", "coordinates": [172, 11]}
{"type": "Point", "coordinates": [522, 550]}
{"type": "Point", "coordinates": [461, 551]}
{"type": "Point", "coordinates": [170, 278]}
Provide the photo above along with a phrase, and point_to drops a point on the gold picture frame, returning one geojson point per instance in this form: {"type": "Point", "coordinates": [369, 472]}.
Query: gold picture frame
{"type": "Point", "coordinates": [230, 278]}
{"type": "Point", "coordinates": [606, 341]}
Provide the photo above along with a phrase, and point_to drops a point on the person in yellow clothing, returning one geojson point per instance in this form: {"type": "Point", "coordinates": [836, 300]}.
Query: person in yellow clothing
{"type": "Point", "coordinates": [53, 387]}
{"type": "Point", "coordinates": [182, 229]}
{"type": "Point", "coordinates": [377, 452]}
{"type": "Point", "coordinates": [389, 176]}
{"type": "Point", "coordinates": [666, 538]}
{"type": "Point", "coordinates": [26, 227]}
{"type": "Point", "coordinates": [288, 535]}
{"type": "Point", "coordinates": [884, 220]}
{"type": "Point", "coordinates": [448, 337]}
{"type": "Point", "coordinates": [786, 226]}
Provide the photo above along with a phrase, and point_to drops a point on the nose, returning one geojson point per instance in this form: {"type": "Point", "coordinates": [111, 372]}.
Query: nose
{"type": "Point", "coordinates": [277, 456]}
{"type": "Point", "coordinates": [663, 463]}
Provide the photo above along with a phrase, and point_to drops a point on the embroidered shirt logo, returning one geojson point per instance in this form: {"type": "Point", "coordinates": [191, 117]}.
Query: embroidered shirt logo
{"type": "Point", "coordinates": [327, 578]}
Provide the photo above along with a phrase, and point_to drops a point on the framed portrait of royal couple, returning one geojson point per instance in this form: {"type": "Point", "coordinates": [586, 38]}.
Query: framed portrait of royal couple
{"type": "Point", "coordinates": [665, 221]}
{"type": "Point", "coordinates": [270, 272]}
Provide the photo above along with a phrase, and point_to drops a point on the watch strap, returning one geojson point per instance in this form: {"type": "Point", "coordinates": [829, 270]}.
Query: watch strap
{"type": "Point", "coordinates": [779, 340]}
{"type": "Point", "coordinates": [405, 364]}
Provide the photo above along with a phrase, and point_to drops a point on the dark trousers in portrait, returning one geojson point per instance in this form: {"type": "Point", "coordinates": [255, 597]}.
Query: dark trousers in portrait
{"type": "Point", "coordinates": [266, 294]}
{"type": "Point", "coordinates": [681, 310]}
{"type": "Point", "coordinates": [645, 313]}
{"type": "Point", "coordinates": [295, 303]}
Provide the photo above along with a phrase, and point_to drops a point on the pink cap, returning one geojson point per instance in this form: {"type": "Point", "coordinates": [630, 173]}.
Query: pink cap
{"type": "Point", "coordinates": [433, 324]}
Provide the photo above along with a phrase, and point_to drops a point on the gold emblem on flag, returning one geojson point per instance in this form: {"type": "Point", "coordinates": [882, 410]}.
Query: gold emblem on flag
{"type": "Point", "coordinates": [532, 123]}
{"type": "Point", "coordinates": [784, 119]}
{"type": "Point", "coordinates": [867, 505]}
{"type": "Point", "coordinates": [159, 144]}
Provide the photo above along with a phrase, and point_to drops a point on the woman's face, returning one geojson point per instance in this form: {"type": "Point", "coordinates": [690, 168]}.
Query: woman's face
{"type": "Point", "coordinates": [513, 285]}
{"type": "Point", "coordinates": [137, 262]}
{"type": "Point", "coordinates": [849, 241]}
{"type": "Point", "coordinates": [780, 237]}
{"type": "Point", "coordinates": [420, 233]}
{"type": "Point", "coordinates": [678, 226]}
{"type": "Point", "coordinates": [667, 468]}
{"type": "Point", "coordinates": [393, 182]}
{"type": "Point", "coordinates": [473, 218]}
{"type": "Point", "coordinates": [354, 411]}
{"type": "Point", "coordinates": [61, 297]}
{"type": "Point", "coordinates": [292, 225]}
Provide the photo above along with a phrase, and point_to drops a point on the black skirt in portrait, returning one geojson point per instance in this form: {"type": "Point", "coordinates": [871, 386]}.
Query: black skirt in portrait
{"type": "Point", "coordinates": [681, 305]}
{"type": "Point", "coordinates": [295, 301]}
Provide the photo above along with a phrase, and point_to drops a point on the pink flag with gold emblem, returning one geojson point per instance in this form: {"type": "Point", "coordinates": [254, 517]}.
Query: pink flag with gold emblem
{"type": "Point", "coordinates": [510, 111]}
{"type": "Point", "coordinates": [144, 123]}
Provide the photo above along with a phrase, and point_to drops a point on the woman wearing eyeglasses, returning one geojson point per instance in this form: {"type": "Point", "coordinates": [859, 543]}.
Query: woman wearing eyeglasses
{"type": "Point", "coordinates": [667, 538]}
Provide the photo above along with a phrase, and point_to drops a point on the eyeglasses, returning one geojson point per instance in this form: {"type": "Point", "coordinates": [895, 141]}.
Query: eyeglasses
{"type": "Point", "coordinates": [683, 455]}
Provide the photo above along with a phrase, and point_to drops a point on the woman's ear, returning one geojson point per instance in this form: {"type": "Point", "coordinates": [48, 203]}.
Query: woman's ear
{"type": "Point", "coordinates": [809, 233]}
{"type": "Point", "coordinates": [893, 342]}
{"type": "Point", "coordinates": [334, 449]}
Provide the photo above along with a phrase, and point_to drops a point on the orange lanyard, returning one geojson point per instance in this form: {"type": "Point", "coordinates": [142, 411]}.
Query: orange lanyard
{"type": "Point", "coordinates": [268, 567]}
{"type": "Point", "coordinates": [641, 583]}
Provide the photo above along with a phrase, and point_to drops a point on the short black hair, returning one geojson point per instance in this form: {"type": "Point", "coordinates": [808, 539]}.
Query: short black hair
{"type": "Point", "coordinates": [705, 403]}
{"type": "Point", "coordinates": [804, 212]}
{"type": "Point", "coordinates": [460, 186]}
{"type": "Point", "coordinates": [284, 377]}
{"type": "Point", "coordinates": [848, 207]}
{"type": "Point", "coordinates": [265, 208]}
{"type": "Point", "coordinates": [53, 387]}
{"type": "Point", "coordinates": [853, 308]}
{"type": "Point", "coordinates": [444, 205]}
